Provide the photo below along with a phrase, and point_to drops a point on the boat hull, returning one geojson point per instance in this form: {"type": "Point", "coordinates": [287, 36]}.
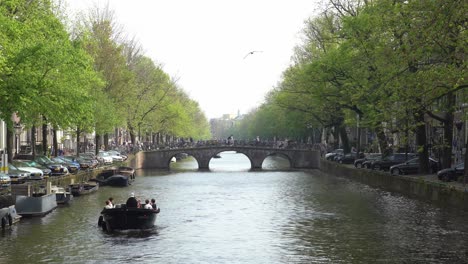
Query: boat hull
{"type": "Point", "coordinates": [127, 218]}
{"type": "Point", "coordinates": [114, 180]}
{"type": "Point", "coordinates": [63, 198]}
{"type": "Point", "coordinates": [35, 205]}
{"type": "Point", "coordinates": [8, 216]}
{"type": "Point", "coordinates": [83, 188]}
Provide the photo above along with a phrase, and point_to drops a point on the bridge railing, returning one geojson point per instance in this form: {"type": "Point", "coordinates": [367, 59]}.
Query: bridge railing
{"type": "Point", "coordinates": [236, 143]}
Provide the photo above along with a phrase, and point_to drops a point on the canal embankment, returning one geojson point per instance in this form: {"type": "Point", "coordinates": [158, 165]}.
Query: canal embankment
{"type": "Point", "coordinates": [425, 187]}
{"type": "Point", "coordinates": [8, 196]}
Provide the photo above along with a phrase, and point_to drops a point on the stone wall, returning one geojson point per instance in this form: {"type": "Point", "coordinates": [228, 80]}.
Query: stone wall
{"type": "Point", "coordinates": [440, 193]}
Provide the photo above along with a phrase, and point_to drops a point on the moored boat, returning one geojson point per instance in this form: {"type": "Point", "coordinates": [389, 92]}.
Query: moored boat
{"type": "Point", "coordinates": [120, 176]}
{"type": "Point", "coordinates": [62, 196]}
{"type": "Point", "coordinates": [9, 216]}
{"type": "Point", "coordinates": [38, 204]}
{"type": "Point", "coordinates": [112, 180]}
{"type": "Point", "coordinates": [123, 218]}
{"type": "Point", "coordinates": [83, 188]}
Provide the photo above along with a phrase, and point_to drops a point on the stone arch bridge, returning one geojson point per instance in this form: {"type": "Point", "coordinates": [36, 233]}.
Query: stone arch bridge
{"type": "Point", "coordinates": [161, 159]}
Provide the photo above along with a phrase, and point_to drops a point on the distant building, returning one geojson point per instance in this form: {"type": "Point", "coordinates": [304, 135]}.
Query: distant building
{"type": "Point", "coordinates": [220, 127]}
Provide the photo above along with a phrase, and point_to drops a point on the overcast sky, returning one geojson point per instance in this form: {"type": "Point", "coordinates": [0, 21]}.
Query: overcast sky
{"type": "Point", "coordinates": [203, 44]}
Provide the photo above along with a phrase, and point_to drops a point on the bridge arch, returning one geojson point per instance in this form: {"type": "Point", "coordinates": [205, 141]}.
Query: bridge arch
{"type": "Point", "coordinates": [281, 155]}
{"type": "Point", "coordinates": [160, 159]}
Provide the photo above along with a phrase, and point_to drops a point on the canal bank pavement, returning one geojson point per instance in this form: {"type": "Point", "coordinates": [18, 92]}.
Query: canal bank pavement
{"type": "Point", "coordinates": [460, 186]}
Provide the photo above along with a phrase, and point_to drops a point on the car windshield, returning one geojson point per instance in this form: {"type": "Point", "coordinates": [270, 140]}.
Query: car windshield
{"type": "Point", "coordinates": [44, 159]}
{"type": "Point", "coordinates": [32, 163]}
{"type": "Point", "coordinates": [12, 167]}
{"type": "Point", "coordinates": [20, 164]}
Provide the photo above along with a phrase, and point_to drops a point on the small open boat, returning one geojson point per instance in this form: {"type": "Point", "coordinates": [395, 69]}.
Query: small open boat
{"type": "Point", "coordinates": [61, 195]}
{"type": "Point", "coordinates": [78, 189]}
{"type": "Point", "coordinates": [8, 216]}
{"type": "Point", "coordinates": [112, 180]}
{"type": "Point", "coordinates": [123, 218]}
{"type": "Point", "coordinates": [114, 177]}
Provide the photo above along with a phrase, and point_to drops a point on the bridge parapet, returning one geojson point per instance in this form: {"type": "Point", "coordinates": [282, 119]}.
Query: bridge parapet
{"type": "Point", "coordinates": [161, 159]}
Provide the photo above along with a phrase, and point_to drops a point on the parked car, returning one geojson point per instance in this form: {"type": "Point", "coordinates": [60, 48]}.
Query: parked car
{"type": "Point", "coordinates": [115, 156]}
{"type": "Point", "coordinates": [358, 163]}
{"type": "Point", "coordinates": [412, 166]}
{"type": "Point", "coordinates": [17, 175]}
{"type": "Point", "coordinates": [34, 173]}
{"type": "Point", "coordinates": [90, 157]}
{"type": "Point", "coordinates": [114, 153]}
{"type": "Point", "coordinates": [348, 158]}
{"type": "Point", "coordinates": [331, 155]}
{"type": "Point", "coordinates": [72, 166]}
{"type": "Point", "coordinates": [57, 169]}
{"type": "Point", "coordinates": [451, 174]}
{"type": "Point", "coordinates": [84, 162]}
{"type": "Point", "coordinates": [104, 158]}
{"type": "Point", "coordinates": [390, 160]}
{"type": "Point", "coordinates": [31, 163]}
{"type": "Point", "coordinates": [5, 180]}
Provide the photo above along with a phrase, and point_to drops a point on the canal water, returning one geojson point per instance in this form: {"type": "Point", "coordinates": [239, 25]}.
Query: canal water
{"type": "Point", "coordinates": [232, 215]}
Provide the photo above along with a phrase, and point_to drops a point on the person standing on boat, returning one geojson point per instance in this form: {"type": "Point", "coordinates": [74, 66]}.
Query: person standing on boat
{"type": "Point", "coordinates": [132, 201]}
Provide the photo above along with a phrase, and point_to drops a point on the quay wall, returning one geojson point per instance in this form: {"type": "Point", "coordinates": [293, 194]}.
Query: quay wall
{"type": "Point", "coordinates": [441, 193]}
{"type": "Point", "coordinates": [32, 186]}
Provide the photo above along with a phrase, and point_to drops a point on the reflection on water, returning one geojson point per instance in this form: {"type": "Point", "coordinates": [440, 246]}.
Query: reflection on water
{"type": "Point", "coordinates": [233, 215]}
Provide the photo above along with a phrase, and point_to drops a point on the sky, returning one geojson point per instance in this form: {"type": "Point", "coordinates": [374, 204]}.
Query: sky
{"type": "Point", "coordinates": [205, 44]}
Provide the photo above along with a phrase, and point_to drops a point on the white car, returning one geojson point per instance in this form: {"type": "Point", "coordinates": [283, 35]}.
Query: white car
{"type": "Point", "coordinates": [104, 157]}
{"type": "Point", "coordinates": [115, 153]}
{"type": "Point", "coordinates": [34, 173]}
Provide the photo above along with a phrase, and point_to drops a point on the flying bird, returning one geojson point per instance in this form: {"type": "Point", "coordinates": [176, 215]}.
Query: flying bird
{"type": "Point", "coordinates": [252, 52]}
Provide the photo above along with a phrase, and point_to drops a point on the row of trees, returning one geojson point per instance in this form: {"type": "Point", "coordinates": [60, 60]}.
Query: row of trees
{"type": "Point", "coordinates": [85, 76]}
{"type": "Point", "coordinates": [387, 65]}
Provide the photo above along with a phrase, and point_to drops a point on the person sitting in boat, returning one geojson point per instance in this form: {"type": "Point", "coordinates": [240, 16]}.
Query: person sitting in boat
{"type": "Point", "coordinates": [148, 205]}
{"type": "Point", "coordinates": [108, 205]}
{"type": "Point", "coordinates": [111, 201]}
{"type": "Point", "coordinates": [132, 201]}
{"type": "Point", "coordinates": [153, 204]}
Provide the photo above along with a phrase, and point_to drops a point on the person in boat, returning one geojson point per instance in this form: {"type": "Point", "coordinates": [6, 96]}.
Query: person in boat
{"type": "Point", "coordinates": [148, 205]}
{"type": "Point", "coordinates": [111, 201]}
{"type": "Point", "coordinates": [132, 201]}
{"type": "Point", "coordinates": [108, 205]}
{"type": "Point", "coordinates": [153, 204]}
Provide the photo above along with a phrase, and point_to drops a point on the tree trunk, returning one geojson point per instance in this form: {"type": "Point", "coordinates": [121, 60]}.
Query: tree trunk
{"type": "Point", "coordinates": [78, 135]}
{"type": "Point", "coordinates": [358, 141]}
{"type": "Point", "coordinates": [44, 137]}
{"type": "Point", "coordinates": [55, 142]}
{"type": "Point", "coordinates": [97, 142]}
{"type": "Point", "coordinates": [465, 175]}
{"type": "Point", "coordinates": [106, 141]}
{"type": "Point", "coordinates": [446, 158]}
{"type": "Point", "coordinates": [10, 137]}
{"type": "Point", "coordinates": [33, 141]}
{"type": "Point", "coordinates": [421, 143]}
{"type": "Point", "coordinates": [382, 140]}
{"type": "Point", "coordinates": [344, 139]}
